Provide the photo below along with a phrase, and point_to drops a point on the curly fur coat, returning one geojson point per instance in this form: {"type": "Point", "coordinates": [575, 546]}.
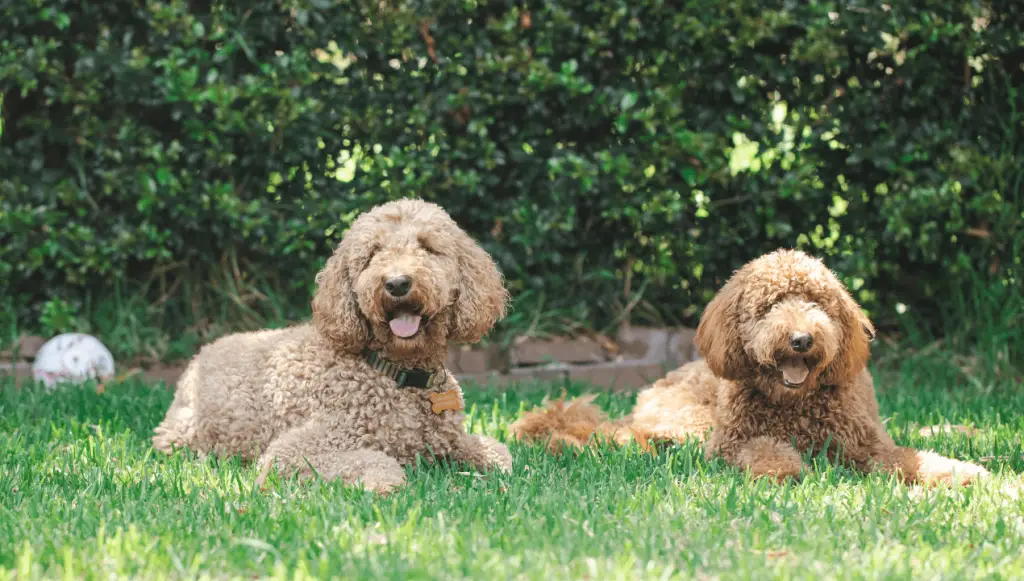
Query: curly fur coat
{"type": "Point", "coordinates": [404, 281]}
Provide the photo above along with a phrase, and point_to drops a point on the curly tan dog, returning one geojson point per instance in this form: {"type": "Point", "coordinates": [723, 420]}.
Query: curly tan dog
{"type": "Point", "coordinates": [784, 373]}
{"type": "Point", "coordinates": [362, 390]}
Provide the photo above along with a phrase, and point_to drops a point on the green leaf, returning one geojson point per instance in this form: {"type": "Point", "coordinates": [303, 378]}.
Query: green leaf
{"type": "Point", "coordinates": [628, 100]}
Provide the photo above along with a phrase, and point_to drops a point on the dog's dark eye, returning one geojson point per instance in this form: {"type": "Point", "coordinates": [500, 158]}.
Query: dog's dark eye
{"type": "Point", "coordinates": [869, 333]}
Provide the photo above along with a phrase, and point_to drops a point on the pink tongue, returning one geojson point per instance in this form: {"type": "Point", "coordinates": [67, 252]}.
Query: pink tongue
{"type": "Point", "coordinates": [405, 325]}
{"type": "Point", "coordinates": [794, 370]}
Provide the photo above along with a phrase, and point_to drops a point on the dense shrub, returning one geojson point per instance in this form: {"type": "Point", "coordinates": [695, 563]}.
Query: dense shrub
{"type": "Point", "coordinates": [604, 152]}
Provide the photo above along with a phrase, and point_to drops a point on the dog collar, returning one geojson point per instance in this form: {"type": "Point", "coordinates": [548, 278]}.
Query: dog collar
{"type": "Point", "coordinates": [415, 377]}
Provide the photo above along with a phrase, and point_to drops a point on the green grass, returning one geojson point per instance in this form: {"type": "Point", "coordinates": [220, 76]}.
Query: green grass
{"type": "Point", "coordinates": [83, 496]}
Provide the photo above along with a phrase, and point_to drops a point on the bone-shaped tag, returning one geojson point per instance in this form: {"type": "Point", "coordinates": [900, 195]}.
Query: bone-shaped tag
{"type": "Point", "coordinates": [446, 400]}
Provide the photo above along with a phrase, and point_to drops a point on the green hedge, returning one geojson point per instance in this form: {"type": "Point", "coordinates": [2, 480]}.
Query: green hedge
{"type": "Point", "coordinates": [607, 153]}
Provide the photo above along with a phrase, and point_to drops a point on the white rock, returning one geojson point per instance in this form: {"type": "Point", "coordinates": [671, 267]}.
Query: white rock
{"type": "Point", "coordinates": [74, 358]}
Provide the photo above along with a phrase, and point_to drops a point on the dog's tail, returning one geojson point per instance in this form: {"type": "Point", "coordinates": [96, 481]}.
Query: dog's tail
{"type": "Point", "coordinates": [574, 424]}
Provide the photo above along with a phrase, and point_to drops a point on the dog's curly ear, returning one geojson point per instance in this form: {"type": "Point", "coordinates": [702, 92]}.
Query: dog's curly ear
{"type": "Point", "coordinates": [855, 347]}
{"type": "Point", "coordinates": [336, 313]}
{"type": "Point", "coordinates": [482, 298]}
{"type": "Point", "coordinates": [718, 333]}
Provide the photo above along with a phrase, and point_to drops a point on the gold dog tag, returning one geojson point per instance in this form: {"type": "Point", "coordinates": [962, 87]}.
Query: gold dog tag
{"type": "Point", "coordinates": [446, 400]}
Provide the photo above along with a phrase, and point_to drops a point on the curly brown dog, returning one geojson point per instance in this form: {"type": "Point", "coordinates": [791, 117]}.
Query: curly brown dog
{"type": "Point", "coordinates": [784, 372]}
{"type": "Point", "coordinates": [362, 390]}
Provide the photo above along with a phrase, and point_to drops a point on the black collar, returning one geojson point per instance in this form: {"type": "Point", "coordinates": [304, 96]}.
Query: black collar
{"type": "Point", "coordinates": [415, 377]}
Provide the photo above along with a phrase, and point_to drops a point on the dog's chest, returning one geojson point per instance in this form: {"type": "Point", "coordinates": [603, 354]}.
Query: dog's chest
{"type": "Point", "coordinates": [414, 427]}
{"type": "Point", "coordinates": [403, 421]}
{"type": "Point", "coordinates": [809, 421]}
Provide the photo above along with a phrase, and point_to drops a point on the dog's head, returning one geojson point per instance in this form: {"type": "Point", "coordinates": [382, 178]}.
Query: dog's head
{"type": "Point", "coordinates": [406, 278]}
{"type": "Point", "coordinates": [785, 319]}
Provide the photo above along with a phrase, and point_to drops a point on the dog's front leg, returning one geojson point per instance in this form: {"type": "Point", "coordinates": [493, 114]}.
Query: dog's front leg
{"type": "Point", "coordinates": [762, 456]}
{"type": "Point", "coordinates": [921, 466]}
{"type": "Point", "coordinates": [482, 452]}
{"type": "Point", "coordinates": [314, 448]}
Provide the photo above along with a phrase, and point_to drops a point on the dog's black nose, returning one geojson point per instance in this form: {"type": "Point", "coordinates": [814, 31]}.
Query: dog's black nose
{"type": "Point", "coordinates": [398, 286]}
{"type": "Point", "coordinates": [801, 342]}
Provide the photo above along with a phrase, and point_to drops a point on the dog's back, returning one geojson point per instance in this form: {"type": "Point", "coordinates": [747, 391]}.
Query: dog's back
{"type": "Point", "coordinates": [678, 406]}
{"type": "Point", "coordinates": [229, 399]}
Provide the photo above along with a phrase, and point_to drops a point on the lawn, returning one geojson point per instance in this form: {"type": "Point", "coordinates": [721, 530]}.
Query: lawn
{"type": "Point", "coordinates": [83, 496]}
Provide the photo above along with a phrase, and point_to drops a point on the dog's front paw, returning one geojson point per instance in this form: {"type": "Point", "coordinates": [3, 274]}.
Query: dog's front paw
{"type": "Point", "coordinates": [934, 469]}
{"type": "Point", "coordinates": [486, 453]}
{"type": "Point", "coordinates": [497, 455]}
{"type": "Point", "coordinates": [502, 460]}
{"type": "Point", "coordinates": [382, 483]}
{"type": "Point", "coordinates": [767, 458]}
{"type": "Point", "coordinates": [780, 476]}
{"type": "Point", "coordinates": [267, 464]}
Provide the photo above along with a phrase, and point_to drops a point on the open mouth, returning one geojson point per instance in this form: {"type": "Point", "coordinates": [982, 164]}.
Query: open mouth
{"type": "Point", "coordinates": [794, 371]}
{"type": "Point", "coordinates": [406, 322]}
